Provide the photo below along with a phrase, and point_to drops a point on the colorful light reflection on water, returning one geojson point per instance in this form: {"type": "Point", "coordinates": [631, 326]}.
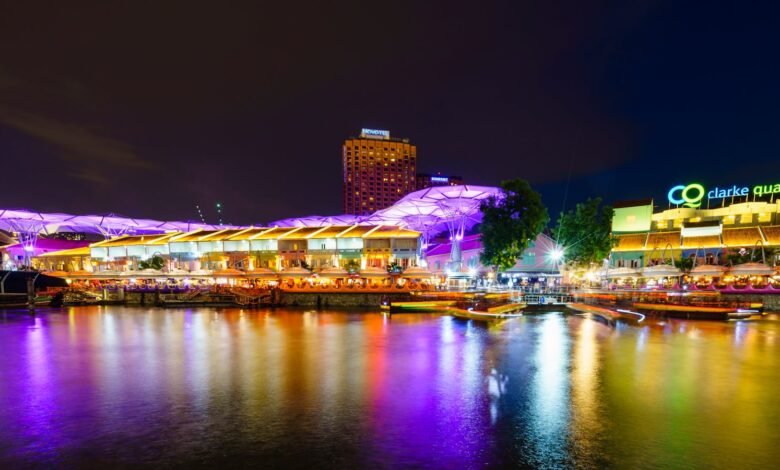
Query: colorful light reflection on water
{"type": "Point", "coordinates": [113, 385]}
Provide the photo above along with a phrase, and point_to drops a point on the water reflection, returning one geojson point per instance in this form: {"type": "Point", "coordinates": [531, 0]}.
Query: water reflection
{"type": "Point", "coordinates": [102, 386]}
{"type": "Point", "coordinates": [586, 419]}
{"type": "Point", "coordinates": [550, 406]}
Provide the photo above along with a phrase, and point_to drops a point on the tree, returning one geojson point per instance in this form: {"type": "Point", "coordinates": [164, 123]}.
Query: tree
{"type": "Point", "coordinates": [685, 263]}
{"type": "Point", "coordinates": [510, 222]}
{"type": "Point", "coordinates": [394, 268]}
{"type": "Point", "coordinates": [155, 262]}
{"type": "Point", "coordinates": [585, 233]}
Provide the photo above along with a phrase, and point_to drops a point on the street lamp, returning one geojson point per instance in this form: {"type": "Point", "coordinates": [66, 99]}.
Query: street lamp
{"type": "Point", "coordinates": [556, 254]}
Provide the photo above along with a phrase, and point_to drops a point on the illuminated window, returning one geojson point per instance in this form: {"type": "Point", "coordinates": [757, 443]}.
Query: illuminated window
{"type": "Point", "coordinates": [766, 217]}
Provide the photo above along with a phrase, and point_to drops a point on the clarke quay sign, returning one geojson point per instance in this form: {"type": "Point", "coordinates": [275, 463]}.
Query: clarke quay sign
{"type": "Point", "coordinates": [692, 194]}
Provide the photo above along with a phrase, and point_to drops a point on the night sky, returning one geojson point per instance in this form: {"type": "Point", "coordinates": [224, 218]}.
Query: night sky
{"type": "Point", "coordinates": [147, 108]}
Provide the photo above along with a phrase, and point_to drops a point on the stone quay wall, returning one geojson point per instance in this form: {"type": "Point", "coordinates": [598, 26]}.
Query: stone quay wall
{"type": "Point", "coordinates": [339, 299]}
{"type": "Point", "coordinates": [771, 301]}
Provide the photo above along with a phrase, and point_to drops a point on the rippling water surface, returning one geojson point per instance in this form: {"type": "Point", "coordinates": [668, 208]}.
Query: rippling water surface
{"type": "Point", "coordinates": [126, 386]}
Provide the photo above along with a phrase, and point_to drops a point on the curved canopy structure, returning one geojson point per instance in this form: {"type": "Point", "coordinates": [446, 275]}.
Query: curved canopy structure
{"type": "Point", "coordinates": [438, 209]}
{"type": "Point", "coordinates": [319, 221]}
{"type": "Point", "coordinates": [430, 211]}
{"type": "Point", "coordinates": [23, 221]}
{"type": "Point", "coordinates": [452, 209]}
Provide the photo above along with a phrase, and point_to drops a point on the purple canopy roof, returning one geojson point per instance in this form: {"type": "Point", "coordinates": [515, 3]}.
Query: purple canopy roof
{"type": "Point", "coordinates": [438, 209]}
{"type": "Point", "coordinates": [47, 223]}
{"type": "Point", "coordinates": [430, 211]}
{"type": "Point", "coordinates": [319, 221]}
{"type": "Point", "coordinates": [44, 245]}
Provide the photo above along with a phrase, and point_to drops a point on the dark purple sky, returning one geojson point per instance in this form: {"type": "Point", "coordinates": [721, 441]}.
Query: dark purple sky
{"type": "Point", "coordinates": [147, 108]}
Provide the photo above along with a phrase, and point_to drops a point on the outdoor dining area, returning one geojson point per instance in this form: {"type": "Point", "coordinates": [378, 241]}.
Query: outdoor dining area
{"type": "Point", "coordinates": [336, 279]}
{"type": "Point", "coordinates": [752, 276]}
{"type": "Point", "coordinates": [329, 279]}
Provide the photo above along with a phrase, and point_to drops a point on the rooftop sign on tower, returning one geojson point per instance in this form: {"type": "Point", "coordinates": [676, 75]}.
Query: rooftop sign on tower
{"type": "Point", "coordinates": [375, 134]}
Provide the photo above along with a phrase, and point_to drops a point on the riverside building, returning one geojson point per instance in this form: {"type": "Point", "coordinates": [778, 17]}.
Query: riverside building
{"type": "Point", "coordinates": [276, 248]}
{"type": "Point", "coordinates": [378, 171]}
{"type": "Point", "coordinates": [709, 225]}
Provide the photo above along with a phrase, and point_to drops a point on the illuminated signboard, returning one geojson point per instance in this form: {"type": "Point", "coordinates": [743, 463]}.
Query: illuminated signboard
{"type": "Point", "coordinates": [375, 133]}
{"type": "Point", "coordinates": [440, 179]}
{"type": "Point", "coordinates": [692, 194]}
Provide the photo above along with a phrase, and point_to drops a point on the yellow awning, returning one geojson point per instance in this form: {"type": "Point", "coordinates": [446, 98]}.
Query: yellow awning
{"type": "Point", "coordinates": [83, 251]}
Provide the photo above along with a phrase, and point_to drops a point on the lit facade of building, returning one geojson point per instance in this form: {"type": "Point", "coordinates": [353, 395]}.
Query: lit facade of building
{"type": "Point", "coordinates": [706, 225]}
{"type": "Point", "coordinates": [378, 171]}
{"type": "Point", "coordinates": [426, 180]}
{"type": "Point", "coordinates": [277, 248]}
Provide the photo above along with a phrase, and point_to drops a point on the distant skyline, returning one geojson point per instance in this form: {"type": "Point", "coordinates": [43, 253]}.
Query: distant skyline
{"type": "Point", "coordinates": [149, 109]}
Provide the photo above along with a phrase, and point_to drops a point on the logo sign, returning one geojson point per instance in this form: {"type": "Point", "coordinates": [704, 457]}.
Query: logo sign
{"type": "Point", "coordinates": [375, 133]}
{"type": "Point", "coordinates": [763, 189]}
{"type": "Point", "coordinates": [688, 196]}
{"type": "Point", "coordinates": [692, 194]}
{"type": "Point", "coordinates": [440, 179]}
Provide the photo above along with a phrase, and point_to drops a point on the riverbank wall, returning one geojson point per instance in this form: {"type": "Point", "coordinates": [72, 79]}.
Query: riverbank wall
{"type": "Point", "coordinates": [771, 301]}
{"type": "Point", "coordinates": [281, 298]}
{"type": "Point", "coordinates": [340, 299]}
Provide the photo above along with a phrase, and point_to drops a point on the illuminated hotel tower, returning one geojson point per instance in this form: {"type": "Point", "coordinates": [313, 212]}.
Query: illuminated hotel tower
{"type": "Point", "coordinates": [378, 171]}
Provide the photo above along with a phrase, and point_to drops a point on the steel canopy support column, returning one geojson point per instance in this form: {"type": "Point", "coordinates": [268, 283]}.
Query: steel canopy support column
{"type": "Point", "coordinates": [457, 228]}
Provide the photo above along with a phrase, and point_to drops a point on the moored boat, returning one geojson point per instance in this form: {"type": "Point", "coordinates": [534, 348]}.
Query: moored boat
{"type": "Point", "coordinates": [502, 312]}
{"type": "Point", "coordinates": [417, 306]}
{"type": "Point", "coordinates": [701, 310]}
{"type": "Point", "coordinates": [14, 285]}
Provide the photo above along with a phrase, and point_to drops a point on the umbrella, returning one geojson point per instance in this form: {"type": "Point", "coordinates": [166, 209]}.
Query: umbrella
{"type": "Point", "coordinates": [622, 272]}
{"type": "Point", "coordinates": [708, 270]}
{"type": "Point", "coordinates": [229, 272]}
{"type": "Point", "coordinates": [417, 273]}
{"type": "Point", "coordinates": [372, 271]}
{"type": "Point", "coordinates": [334, 272]}
{"type": "Point", "coordinates": [294, 272]}
{"type": "Point", "coordinates": [661, 270]}
{"type": "Point", "coordinates": [751, 269]}
{"type": "Point", "coordinates": [262, 273]}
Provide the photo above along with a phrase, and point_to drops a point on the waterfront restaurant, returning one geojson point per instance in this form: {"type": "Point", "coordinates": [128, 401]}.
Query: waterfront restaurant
{"type": "Point", "coordinates": [250, 249]}
{"type": "Point", "coordinates": [699, 227]}
{"type": "Point", "coordinates": [535, 268]}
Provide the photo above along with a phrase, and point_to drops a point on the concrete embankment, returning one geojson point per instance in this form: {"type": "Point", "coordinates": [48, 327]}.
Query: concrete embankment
{"type": "Point", "coordinates": [281, 298]}
{"type": "Point", "coordinates": [345, 299]}
{"type": "Point", "coordinates": [771, 301]}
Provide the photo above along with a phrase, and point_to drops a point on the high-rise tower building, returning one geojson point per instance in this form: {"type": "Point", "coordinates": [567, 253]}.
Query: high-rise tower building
{"type": "Point", "coordinates": [378, 171]}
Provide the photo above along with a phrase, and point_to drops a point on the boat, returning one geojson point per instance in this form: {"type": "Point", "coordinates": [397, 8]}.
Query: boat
{"type": "Point", "coordinates": [418, 306]}
{"type": "Point", "coordinates": [502, 312]}
{"type": "Point", "coordinates": [717, 310]}
{"type": "Point", "coordinates": [610, 315]}
{"type": "Point", "coordinates": [13, 288]}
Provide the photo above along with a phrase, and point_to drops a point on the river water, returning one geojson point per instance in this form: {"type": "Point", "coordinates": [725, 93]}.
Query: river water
{"type": "Point", "coordinates": [120, 386]}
